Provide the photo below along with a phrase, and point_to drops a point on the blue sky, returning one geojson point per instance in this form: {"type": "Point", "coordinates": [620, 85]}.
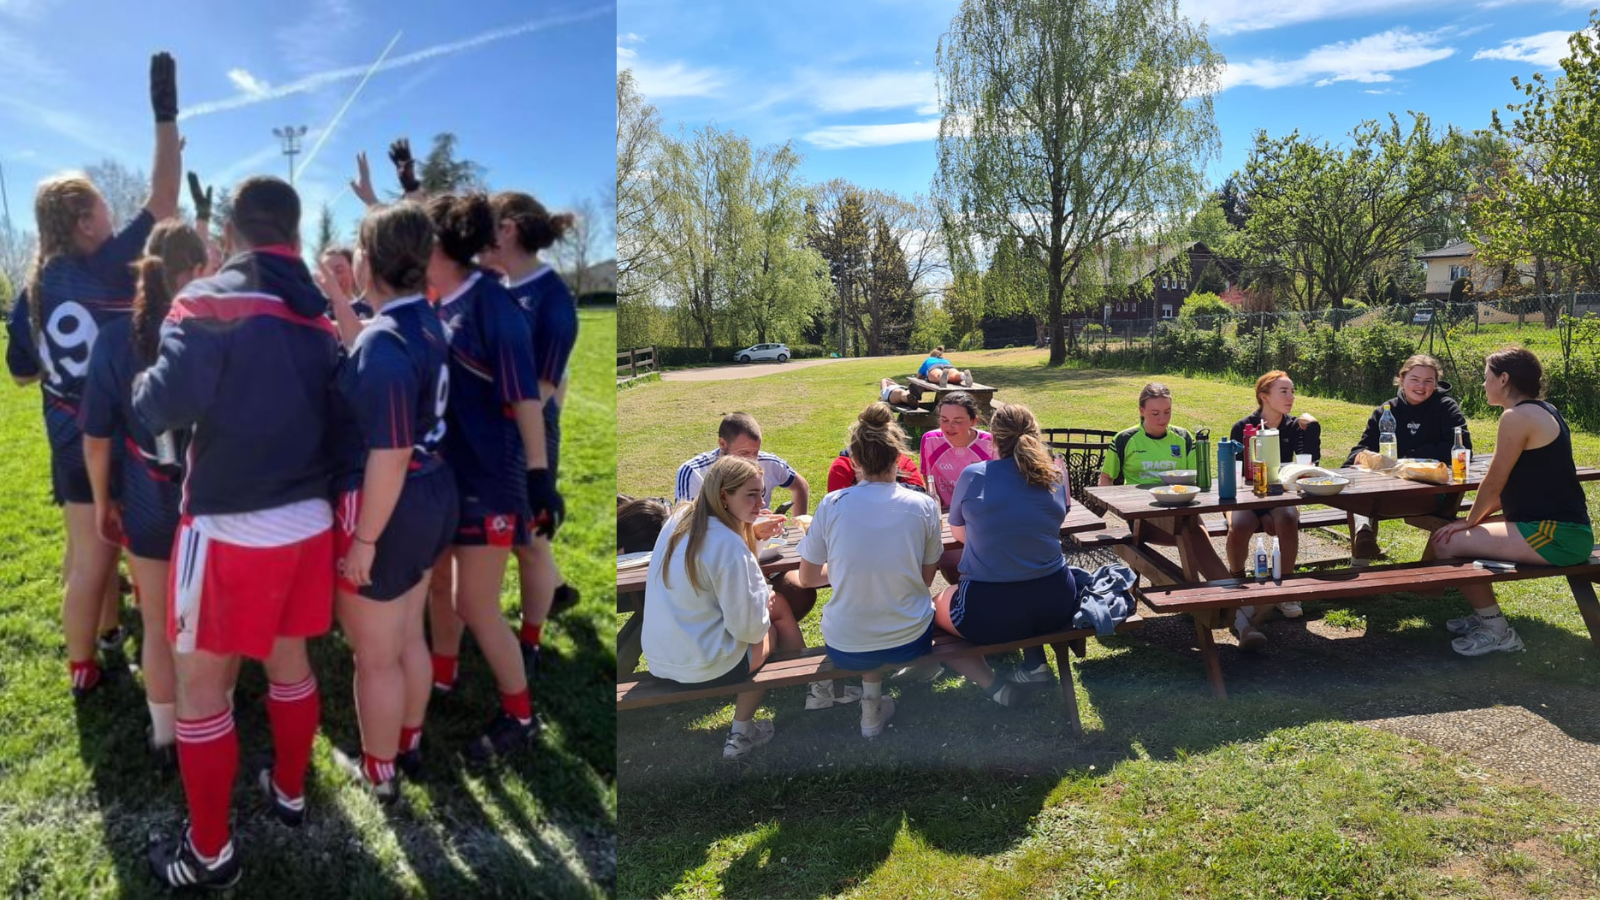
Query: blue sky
{"type": "Point", "coordinates": [526, 86]}
{"type": "Point", "coordinates": [852, 82]}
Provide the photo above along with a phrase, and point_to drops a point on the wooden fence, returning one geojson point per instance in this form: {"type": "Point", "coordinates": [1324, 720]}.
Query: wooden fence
{"type": "Point", "coordinates": [633, 363]}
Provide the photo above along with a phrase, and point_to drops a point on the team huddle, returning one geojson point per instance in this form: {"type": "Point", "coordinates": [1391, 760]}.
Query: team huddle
{"type": "Point", "coordinates": [269, 446]}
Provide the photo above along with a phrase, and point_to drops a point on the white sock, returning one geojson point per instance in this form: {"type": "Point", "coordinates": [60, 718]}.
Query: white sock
{"type": "Point", "coordinates": [1243, 618]}
{"type": "Point", "coordinates": [163, 723]}
{"type": "Point", "coordinates": [1491, 618]}
{"type": "Point", "coordinates": [745, 727]}
{"type": "Point", "coordinates": [871, 690]}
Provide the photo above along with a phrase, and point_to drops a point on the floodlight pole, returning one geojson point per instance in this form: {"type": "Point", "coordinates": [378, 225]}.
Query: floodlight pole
{"type": "Point", "coordinates": [290, 135]}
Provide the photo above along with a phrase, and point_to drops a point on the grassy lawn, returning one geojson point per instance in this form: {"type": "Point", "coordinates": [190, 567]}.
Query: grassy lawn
{"type": "Point", "coordinates": [77, 796]}
{"type": "Point", "coordinates": [1170, 793]}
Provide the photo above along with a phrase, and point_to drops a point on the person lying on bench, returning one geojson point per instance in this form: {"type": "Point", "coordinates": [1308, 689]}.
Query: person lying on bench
{"type": "Point", "coordinates": [878, 543]}
{"type": "Point", "coordinates": [1427, 421]}
{"type": "Point", "coordinates": [942, 371]}
{"type": "Point", "coordinates": [890, 392]}
{"type": "Point", "coordinates": [1014, 581]}
{"type": "Point", "coordinates": [956, 444]}
{"type": "Point", "coordinates": [1297, 436]}
{"type": "Point", "coordinates": [740, 435]}
{"type": "Point", "coordinates": [1533, 483]}
{"type": "Point", "coordinates": [712, 618]}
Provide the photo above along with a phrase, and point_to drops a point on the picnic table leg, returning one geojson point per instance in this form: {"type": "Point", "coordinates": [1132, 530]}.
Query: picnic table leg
{"type": "Point", "coordinates": [1208, 655]}
{"type": "Point", "coordinates": [1588, 606]}
{"type": "Point", "coordinates": [629, 647]}
{"type": "Point", "coordinates": [1069, 691]}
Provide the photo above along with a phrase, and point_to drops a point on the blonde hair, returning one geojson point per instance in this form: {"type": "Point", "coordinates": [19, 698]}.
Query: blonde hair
{"type": "Point", "coordinates": [1264, 384]}
{"type": "Point", "coordinates": [59, 204]}
{"type": "Point", "coordinates": [1420, 359]}
{"type": "Point", "coordinates": [728, 473]}
{"type": "Point", "coordinates": [1016, 436]}
{"type": "Point", "coordinates": [876, 441]}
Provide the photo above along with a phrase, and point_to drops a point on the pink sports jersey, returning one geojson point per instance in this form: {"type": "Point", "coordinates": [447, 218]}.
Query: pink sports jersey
{"type": "Point", "coordinates": [942, 463]}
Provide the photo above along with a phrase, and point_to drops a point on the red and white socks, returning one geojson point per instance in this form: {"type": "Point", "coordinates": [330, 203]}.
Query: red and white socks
{"type": "Point", "coordinates": [518, 706]}
{"type": "Point", "coordinates": [293, 711]}
{"type": "Point", "coordinates": [85, 675]}
{"type": "Point", "coordinates": [531, 633]}
{"type": "Point", "coordinates": [444, 671]}
{"type": "Point", "coordinates": [208, 760]}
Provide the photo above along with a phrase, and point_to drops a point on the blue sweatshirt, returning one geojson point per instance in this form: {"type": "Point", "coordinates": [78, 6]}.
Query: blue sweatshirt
{"type": "Point", "coordinates": [552, 317]}
{"type": "Point", "coordinates": [248, 358]}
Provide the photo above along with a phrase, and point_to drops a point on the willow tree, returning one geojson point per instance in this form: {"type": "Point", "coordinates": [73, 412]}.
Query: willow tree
{"type": "Point", "coordinates": [1070, 124]}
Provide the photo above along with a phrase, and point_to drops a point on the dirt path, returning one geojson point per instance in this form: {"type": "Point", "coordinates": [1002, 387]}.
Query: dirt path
{"type": "Point", "coordinates": [743, 370]}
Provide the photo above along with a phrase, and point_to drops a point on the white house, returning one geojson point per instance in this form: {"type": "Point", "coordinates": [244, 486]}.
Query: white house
{"type": "Point", "coordinates": [1460, 260]}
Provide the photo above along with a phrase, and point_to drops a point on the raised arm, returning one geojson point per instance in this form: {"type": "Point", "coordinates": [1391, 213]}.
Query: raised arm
{"type": "Point", "coordinates": [405, 168]}
{"type": "Point", "coordinates": [166, 173]}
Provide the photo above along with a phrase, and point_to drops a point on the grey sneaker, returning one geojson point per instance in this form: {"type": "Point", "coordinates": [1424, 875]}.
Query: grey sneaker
{"type": "Point", "coordinates": [1291, 609]}
{"type": "Point", "coordinates": [919, 673]}
{"type": "Point", "coordinates": [1463, 625]}
{"type": "Point", "coordinates": [875, 715]}
{"type": "Point", "coordinates": [1482, 640]}
{"type": "Point", "coordinates": [1039, 675]}
{"type": "Point", "coordinates": [739, 744]}
{"type": "Point", "coordinates": [966, 379]}
{"type": "Point", "coordinates": [824, 695]}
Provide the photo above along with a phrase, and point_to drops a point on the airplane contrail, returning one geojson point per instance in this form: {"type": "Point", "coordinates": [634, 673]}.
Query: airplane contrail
{"type": "Point", "coordinates": [322, 79]}
{"type": "Point", "coordinates": [334, 123]}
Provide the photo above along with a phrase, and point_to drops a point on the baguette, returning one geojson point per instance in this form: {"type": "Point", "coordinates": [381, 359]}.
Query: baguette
{"type": "Point", "coordinates": [1430, 472]}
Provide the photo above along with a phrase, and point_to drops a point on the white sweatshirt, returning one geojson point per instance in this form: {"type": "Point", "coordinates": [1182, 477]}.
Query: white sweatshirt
{"type": "Point", "coordinates": [692, 635]}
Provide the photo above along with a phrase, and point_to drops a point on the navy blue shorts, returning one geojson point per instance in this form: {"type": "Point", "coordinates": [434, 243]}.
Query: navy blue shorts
{"type": "Point", "coordinates": [739, 672]}
{"type": "Point", "coordinates": [69, 474]}
{"type": "Point", "coordinates": [483, 524]}
{"type": "Point", "coordinates": [872, 659]}
{"type": "Point", "coordinates": [996, 612]}
{"type": "Point", "coordinates": [420, 529]}
{"type": "Point", "coordinates": [150, 511]}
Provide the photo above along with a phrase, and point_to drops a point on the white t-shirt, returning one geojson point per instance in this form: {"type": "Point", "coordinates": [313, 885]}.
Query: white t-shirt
{"type": "Point", "coordinates": [875, 537]}
{"type": "Point", "coordinates": [697, 635]}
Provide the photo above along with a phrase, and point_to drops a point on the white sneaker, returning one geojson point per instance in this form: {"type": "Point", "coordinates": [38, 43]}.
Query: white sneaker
{"type": "Point", "coordinates": [823, 695]}
{"type": "Point", "coordinates": [741, 743]}
{"type": "Point", "coordinates": [1291, 609]}
{"type": "Point", "coordinates": [1482, 640]}
{"type": "Point", "coordinates": [966, 379]}
{"type": "Point", "coordinates": [1040, 675]}
{"type": "Point", "coordinates": [1463, 625]}
{"type": "Point", "coordinates": [923, 672]}
{"type": "Point", "coordinates": [944, 378]}
{"type": "Point", "coordinates": [875, 715]}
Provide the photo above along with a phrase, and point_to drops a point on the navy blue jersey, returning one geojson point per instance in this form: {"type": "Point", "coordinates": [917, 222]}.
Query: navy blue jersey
{"type": "Point", "coordinates": [394, 387]}
{"type": "Point", "coordinates": [22, 354]}
{"type": "Point", "coordinates": [491, 367]}
{"type": "Point", "coordinates": [552, 317]}
{"type": "Point", "coordinates": [248, 359]}
{"type": "Point", "coordinates": [148, 490]}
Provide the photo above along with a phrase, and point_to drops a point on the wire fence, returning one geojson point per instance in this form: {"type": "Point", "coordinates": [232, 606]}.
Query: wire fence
{"type": "Point", "coordinates": [1354, 354]}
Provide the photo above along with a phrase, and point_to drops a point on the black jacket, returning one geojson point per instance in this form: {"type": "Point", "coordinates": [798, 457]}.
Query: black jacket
{"type": "Point", "coordinates": [1293, 437]}
{"type": "Point", "coordinates": [1422, 431]}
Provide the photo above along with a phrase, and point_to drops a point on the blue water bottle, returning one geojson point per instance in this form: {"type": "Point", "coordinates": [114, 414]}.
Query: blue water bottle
{"type": "Point", "coordinates": [1227, 483]}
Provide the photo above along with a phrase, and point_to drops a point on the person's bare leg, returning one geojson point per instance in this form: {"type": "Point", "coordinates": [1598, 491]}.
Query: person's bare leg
{"type": "Point", "coordinates": [111, 600]}
{"type": "Point", "coordinates": [1242, 527]}
{"type": "Point", "coordinates": [950, 566]}
{"type": "Point", "coordinates": [784, 625]}
{"type": "Point", "coordinates": [480, 570]}
{"type": "Point", "coordinates": [974, 668]}
{"type": "Point", "coordinates": [1494, 539]}
{"type": "Point", "coordinates": [415, 664]}
{"type": "Point", "coordinates": [801, 600]}
{"type": "Point", "coordinates": [84, 596]}
{"type": "Point", "coordinates": [155, 651]}
{"type": "Point", "coordinates": [444, 626]}
{"type": "Point", "coordinates": [376, 631]}
{"type": "Point", "coordinates": [1286, 526]}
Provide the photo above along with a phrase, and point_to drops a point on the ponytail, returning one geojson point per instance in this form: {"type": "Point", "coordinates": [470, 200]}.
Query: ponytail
{"type": "Point", "coordinates": [173, 250]}
{"type": "Point", "coordinates": [1016, 436]}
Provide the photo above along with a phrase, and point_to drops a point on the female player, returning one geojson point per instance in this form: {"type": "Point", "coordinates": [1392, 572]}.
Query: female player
{"type": "Point", "coordinates": [524, 228]}
{"type": "Point", "coordinates": [397, 499]}
{"type": "Point", "coordinates": [144, 518]}
{"type": "Point", "coordinates": [494, 441]}
{"type": "Point", "coordinates": [81, 280]}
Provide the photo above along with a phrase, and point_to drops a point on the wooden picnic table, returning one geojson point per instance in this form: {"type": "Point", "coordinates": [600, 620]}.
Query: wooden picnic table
{"type": "Point", "coordinates": [630, 581]}
{"type": "Point", "coordinates": [982, 393]}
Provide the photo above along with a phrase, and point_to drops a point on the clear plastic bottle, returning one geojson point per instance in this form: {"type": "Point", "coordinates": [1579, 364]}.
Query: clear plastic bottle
{"type": "Point", "coordinates": [1262, 562]}
{"type": "Point", "coordinates": [1387, 445]}
{"type": "Point", "coordinates": [1277, 560]}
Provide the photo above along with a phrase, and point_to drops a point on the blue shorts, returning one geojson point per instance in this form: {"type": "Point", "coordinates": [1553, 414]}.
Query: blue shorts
{"type": "Point", "coordinates": [482, 525]}
{"type": "Point", "coordinates": [872, 659]}
{"type": "Point", "coordinates": [420, 529]}
{"type": "Point", "coordinates": [69, 474]}
{"type": "Point", "coordinates": [150, 510]}
{"type": "Point", "coordinates": [994, 612]}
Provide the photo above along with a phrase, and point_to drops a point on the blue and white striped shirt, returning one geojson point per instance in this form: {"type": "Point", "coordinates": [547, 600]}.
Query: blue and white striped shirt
{"type": "Point", "coordinates": [775, 473]}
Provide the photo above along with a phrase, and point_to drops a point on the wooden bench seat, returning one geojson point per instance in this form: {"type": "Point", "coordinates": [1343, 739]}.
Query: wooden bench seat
{"type": "Point", "coordinates": [1216, 526]}
{"type": "Point", "coordinates": [814, 665]}
{"type": "Point", "coordinates": [1430, 577]}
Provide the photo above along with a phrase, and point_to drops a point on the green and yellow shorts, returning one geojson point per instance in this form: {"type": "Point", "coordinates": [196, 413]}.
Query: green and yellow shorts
{"type": "Point", "coordinates": [1560, 543]}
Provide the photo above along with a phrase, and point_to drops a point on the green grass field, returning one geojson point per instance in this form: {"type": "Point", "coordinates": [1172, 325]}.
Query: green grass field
{"type": "Point", "coordinates": [1170, 793]}
{"type": "Point", "coordinates": [77, 796]}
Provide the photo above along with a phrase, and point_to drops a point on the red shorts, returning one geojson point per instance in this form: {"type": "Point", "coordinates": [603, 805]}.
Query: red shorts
{"type": "Point", "coordinates": [230, 599]}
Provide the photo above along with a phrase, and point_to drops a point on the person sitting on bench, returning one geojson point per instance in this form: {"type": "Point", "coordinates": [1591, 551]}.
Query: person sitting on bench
{"type": "Point", "coordinates": [878, 544]}
{"type": "Point", "coordinates": [890, 392]}
{"type": "Point", "coordinates": [712, 618]}
{"type": "Point", "coordinates": [1014, 581]}
{"type": "Point", "coordinates": [1533, 483]}
{"type": "Point", "coordinates": [942, 371]}
{"type": "Point", "coordinates": [1297, 436]}
{"type": "Point", "coordinates": [844, 473]}
{"type": "Point", "coordinates": [1427, 421]}
{"type": "Point", "coordinates": [639, 522]}
{"type": "Point", "coordinates": [946, 451]}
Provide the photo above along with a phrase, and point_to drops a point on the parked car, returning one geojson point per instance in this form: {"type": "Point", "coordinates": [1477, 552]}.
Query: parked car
{"type": "Point", "coordinates": [779, 352]}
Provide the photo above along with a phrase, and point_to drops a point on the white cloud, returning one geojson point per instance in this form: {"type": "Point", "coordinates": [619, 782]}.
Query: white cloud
{"type": "Point", "coordinates": [319, 80]}
{"type": "Point", "coordinates": [674, 79]}
{"type": "Point", "coordinates": [1544, 49]}
{"type": "Point", "coordinates": [839, 137]}
{"type": "Point", "coordinates": [630, 38]}
{"type": "Point", "coordinates": [1368, 60]}
{"type": "Point", "coordinates": [1381, 92]}
{"type": "Point", "coordinates": [1232, 16]}
{"type": "Point", "coordinates": [853, 92]}
{"type": "Point", "coordinates": [250, 84]}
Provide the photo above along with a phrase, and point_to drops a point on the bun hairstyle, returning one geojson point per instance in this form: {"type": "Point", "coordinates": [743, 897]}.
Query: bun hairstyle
{"type": "Point", "coordinates": [1016, 436]}
{"type": "Point", "coordinates": [173, 249]}
{"type": "Point", "coordinates": [59, 204]}
{"type": "Point", "coordinates": [728, 473]}
{"type": "Point", "coordinates": [464, 225]}
{"type": "Point", "coordinates": [1527, 375]}
{"type": "Point", "coordinates": [537, 229]}
{"type": "Point", "coordinates": [876, 442]}
{"type": "Point", "coordinates": [266, 211]}
{"type": "Point", "coordinates": [397, 242]}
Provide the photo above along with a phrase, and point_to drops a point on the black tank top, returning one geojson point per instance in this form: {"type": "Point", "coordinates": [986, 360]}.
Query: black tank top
{"type": "Point", "coordinates": [1543, 485]}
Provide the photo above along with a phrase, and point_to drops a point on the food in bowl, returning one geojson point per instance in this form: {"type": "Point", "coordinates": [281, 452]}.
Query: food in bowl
{"type": "Point", "coordinates": [1180, 476]}
{"type": "Point", "coordinates": [1322, 486]}
{"type": "Point", "coordinates": [1175, 495]}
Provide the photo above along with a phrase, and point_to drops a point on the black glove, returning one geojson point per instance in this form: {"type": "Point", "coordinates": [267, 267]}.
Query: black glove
{"type": "Point", "coordinates": [202, 199]}
{"type": "Point", "coordinates": [545, 501]}
{"type": "Point", "coordinates": [404, 166]}
{"type": "Point", "coordinates": [164, 87]}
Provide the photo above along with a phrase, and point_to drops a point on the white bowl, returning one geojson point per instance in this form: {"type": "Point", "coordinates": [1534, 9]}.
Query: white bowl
{"type": "Point", "coordinates": [1322, 490]}
{"type": "Point", "coordinates": [1166, 496]}
{"type": "Point", "coordinates": [1180, 476]}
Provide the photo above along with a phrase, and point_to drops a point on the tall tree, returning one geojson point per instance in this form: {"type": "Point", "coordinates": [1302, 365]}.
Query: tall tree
{"type": "Point", "coordinates": [1547, 204]}
{"type": "Point", "coordinates": [16, 253]}
{"type": "Point", "coordinates": [1322, 217]}
{"type": "Point", "coordinates": [783, 281]}
{"type": "Point", "coordinates": [1067, 124]}
{"type": "Point", "coordinates": [443, 173]}
{"type": "Point", "coordinates": [638, 193]}
{"type": "Point", "coordinates": [327, 232]}
{"type": "Point", "coordinates": [704, 203]}
{"type": "Point", "coordinates": [838, 229]}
